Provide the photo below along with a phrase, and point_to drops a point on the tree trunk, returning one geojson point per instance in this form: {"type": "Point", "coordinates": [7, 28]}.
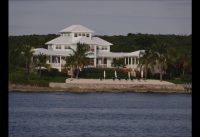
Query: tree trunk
{"type": "Point", "coordinates": [77, 73]}
{"type": "Point", "coordinates": [26, 67]}
{"type": "Point", "coordinates": [145, 73]}
{"type": "Point", "coordinates": [40, 70]}
{"type": "Point", "coordinates": [72, 72]}
{"type": "Point", "coordinates": [27, 70]}
{"type": "Point", "coordinates": [161, 75]}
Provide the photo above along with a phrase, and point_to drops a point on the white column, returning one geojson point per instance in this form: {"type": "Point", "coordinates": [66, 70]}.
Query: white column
{"type": "Point", "coordinates": [95, 56]}
{"type": "Point", "coordinates": [125, 60]}
{"type": "Point", "coordinates": [135, 60]}
{"type": "Point", "coordinates": [128, 60]}
{"type": "Point", "coordinates": [95, 62]}
{"type": "Point", "coordinates": [50, 61]}
{"type": "Point", "coordinates": [108, 62]}
{"type": "Point", "coordinates": [60, 64]}
{"type": "Point", "coordinates": [131, 61]}
{"type": "Point", "coordinates": [138, 60]}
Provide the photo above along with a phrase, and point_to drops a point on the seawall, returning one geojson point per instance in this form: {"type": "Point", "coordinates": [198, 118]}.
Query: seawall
{"type": "Point", "coordinates": [87, 87]}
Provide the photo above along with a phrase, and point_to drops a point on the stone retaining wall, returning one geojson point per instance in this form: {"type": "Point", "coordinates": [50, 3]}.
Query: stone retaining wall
{"type": "Point", "coordinates": [86, 87]}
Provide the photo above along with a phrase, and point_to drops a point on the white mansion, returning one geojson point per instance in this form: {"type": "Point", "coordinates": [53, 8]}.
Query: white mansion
{"type": "Point", "coordinates": [59, 49]}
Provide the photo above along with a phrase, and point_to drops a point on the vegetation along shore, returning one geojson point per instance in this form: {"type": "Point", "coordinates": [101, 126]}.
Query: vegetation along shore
{"type": "Point", "coordinates": [170, 54]}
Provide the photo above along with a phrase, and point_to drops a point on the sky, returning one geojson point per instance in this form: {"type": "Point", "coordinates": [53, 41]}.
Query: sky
{"type": "Point", "coordinates": [111, 17]}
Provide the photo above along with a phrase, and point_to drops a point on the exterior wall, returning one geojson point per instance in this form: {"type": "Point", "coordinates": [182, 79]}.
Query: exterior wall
{"type": "Point", "coordinates": [109, 61]}
{"type": "Point", "coordinates": [102, 48]}
{"type": "Point", "coordinates": [90, 34]}
{"type": "Point", "coordinates": [98, 62]}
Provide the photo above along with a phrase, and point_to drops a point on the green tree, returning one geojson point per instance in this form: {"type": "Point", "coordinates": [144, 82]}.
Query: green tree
{"type": "Point", "coordinates": [41, 62]}
{"type": "Point", "coordinates": [27, 51]}
{"type": "Point", "coordinates": [78, 59]}
{"type": "Point", "coordinates": [118, 62]}
{"type": "Point", "coordinates": [146, 61]}
{"type": "Point", "coordinates": [160, 57]}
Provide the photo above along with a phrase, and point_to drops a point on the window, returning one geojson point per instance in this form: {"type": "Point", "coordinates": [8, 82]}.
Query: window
{"type": "Point", "coordinates": [67, 47]}
{"type": "Point", "coordinates": [75, 35]}
{"type": "Point", "coordinates": [50, 47]}
{"type": "Point", "coordinates": [91, 48]}
{"type": "Point", "coordinates": [79, 34]}
{"type": "Point", "coordinates": [105, 61]}
{"type": "Point", "coordinates": [88, 35]}
{"type": "Point", "coordinates": [83, 34]}
{"type": "Point", "coordinates": [104, 47]}
{"type": "Point", "coordinates": [58, 46]}
{"type": "Point", "coordinates": [55, 59]}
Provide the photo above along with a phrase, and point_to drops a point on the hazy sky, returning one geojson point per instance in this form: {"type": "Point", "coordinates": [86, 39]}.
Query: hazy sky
{"type": "Point", "coordinates": [113, 17]}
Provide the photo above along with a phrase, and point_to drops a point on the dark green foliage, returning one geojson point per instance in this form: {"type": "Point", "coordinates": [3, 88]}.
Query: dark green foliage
{"type": "Point", "coordinates": [16, 44]}
{"type": "Point", "coordinates": [78, 59]}
{"type": "Point", "coordinates": [186, 78]}
{"type": "Point", "coordinates": [18, 76]}
{"type": "Point", "coordinates": [118, 62]}
{"type": "Point", "coordinates": [54, 72]}
{"type": "Point", "coordinates": [133, 42]}
{"type": "Point", "coordinates": [179, 45]}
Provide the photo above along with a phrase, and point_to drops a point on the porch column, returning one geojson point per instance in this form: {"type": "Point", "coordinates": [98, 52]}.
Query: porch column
{"type": "Point", "coordinates": [138, 60]}
{"type": "Point", "coordinates": [95, 62]}
{"type": "Point", "coordinates": [131, 61]}
{"type": "Point", "coordinates": [60, 64]}
{"type": "Point", "coordinates": [125, 60]}
{"type": "Point", "coordinates": [135, 60]}
{"type": "Point", "coordinates": [50, 61]}
{"type": "Point", "coordinates": [128, 60]}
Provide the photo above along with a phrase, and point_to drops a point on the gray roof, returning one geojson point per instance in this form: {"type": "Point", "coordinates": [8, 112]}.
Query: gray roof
{"type": "Point", "coordinates": [38, 51]}
{"type": "Point", "coordinates": [118, 54]}
{"type": "Point", "coordinates": [77, 28]}
{"type": "Point", "coordinates": [81, 39]}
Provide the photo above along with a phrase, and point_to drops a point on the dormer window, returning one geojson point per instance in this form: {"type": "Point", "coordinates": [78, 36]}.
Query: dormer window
{"type": "Point", "coordinates": [50, 47]}
{"type": "Point", "coordinates": [58, 46]}
{"type": "Point", "coordinates": [88, 35]}
{"type": "Point", "coordinates": [67, 47]}
{"type": "Point", "coordinates": [75, 34]}
{"type": "Point", "coordinates": [104, 48]}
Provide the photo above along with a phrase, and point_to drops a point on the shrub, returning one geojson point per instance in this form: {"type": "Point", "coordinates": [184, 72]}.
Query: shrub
{"type": "Point", "coordinates": [186, 78]}
{"type": "Point", "coordinates": [39, 83]}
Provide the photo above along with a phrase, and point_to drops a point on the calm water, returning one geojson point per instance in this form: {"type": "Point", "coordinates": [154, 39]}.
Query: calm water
{"type": "Point", "coordinates": [99, 115]}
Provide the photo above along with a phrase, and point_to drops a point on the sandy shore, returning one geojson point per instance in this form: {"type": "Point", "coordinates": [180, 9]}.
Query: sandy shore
{"type": "Point", "coordinates": [96, 85]}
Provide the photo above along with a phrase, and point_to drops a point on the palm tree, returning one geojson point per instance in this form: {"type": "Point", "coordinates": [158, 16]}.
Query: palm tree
{"type": "Point", "coordinates": [27, 51]}
{"type": "Point", "coordinates": [71, 62]}
{"type": "Point", "coordinates": [146, 61]}
{"type": "Point", "coordinates": [185, 62]}
{"type": "Point", "coordinates": [78, 59]}
{"type": "Point", "coordinates": [41, 61]}
{"type": "Point", "coordinates": [160, 56]}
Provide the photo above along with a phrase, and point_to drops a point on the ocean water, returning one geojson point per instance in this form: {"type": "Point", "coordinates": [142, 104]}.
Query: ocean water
{"type": "Point", "coordinates": [99, 115]}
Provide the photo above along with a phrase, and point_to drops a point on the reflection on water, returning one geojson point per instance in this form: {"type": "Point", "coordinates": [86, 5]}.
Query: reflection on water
{"type": "Point", "coordinates": [99, 115]}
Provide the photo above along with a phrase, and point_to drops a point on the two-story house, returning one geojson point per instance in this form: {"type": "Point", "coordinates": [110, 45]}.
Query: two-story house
{"type": "Point", "coordinates": [60, 47]}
